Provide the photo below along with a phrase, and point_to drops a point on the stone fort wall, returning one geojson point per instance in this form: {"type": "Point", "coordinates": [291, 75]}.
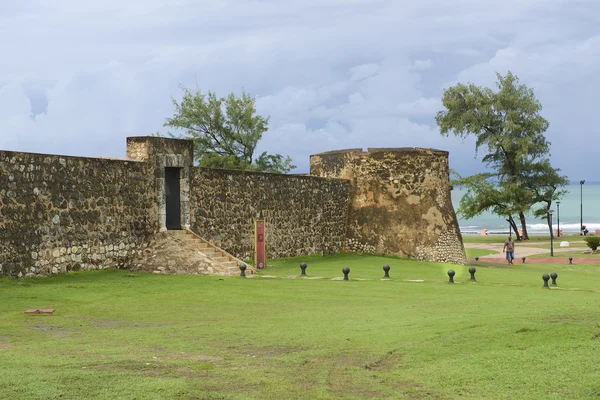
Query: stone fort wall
{"type": "Point", "coordinates": [60, 213]}
{"type": "Point", "coordinates": [400, 203]}
{"type": "Point", "coordinates": [303, 214]}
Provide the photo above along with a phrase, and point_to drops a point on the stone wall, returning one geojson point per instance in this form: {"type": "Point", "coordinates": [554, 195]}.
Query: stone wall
{"type": "Point", "coordinates": [61, 213]}
{"type": "Point", "coordinates": [401, 202]}
{"type": "Point", "coordinates": [303, 214]}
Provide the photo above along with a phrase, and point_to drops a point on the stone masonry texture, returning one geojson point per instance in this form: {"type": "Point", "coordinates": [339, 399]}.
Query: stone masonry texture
{"type": "Point", "coordinates": [400, 204]}
{"type": "Point", "coordinates": [303, 214]}
{"type": "Point", "coordinates": [61, 213]}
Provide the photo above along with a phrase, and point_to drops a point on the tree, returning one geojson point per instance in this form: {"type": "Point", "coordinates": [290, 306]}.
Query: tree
{"type": "Point", "coordinates": [484, 194]}
{"type": "Point", "coordinates": [225, 131]}
{"type": "Point", "coordinates": [507, 124]}
{"type": "Point", "coordinates": [545, 184]}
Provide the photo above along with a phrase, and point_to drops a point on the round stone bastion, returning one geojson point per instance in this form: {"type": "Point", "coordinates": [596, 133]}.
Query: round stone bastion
{"type": "Point", "coordinates": [400, 202]}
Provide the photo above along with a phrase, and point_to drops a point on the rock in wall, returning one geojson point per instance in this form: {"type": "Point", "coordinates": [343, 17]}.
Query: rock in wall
{"type": "Point", "coordinates": [303, 214]}
{"type": "Point", "coordinates": [400, 202]}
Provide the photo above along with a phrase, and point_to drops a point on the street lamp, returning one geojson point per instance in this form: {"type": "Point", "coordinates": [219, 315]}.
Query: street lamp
{"type": "Point", "coordinates": [558, 217]}
{"type": "Point", "coordinates": [551, 233]}
{"type": "Point", "coordinates": [581, 207]}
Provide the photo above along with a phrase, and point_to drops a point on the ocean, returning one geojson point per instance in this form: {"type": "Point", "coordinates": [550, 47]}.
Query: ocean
{"type": "Point", "coordinates": [568, 213]}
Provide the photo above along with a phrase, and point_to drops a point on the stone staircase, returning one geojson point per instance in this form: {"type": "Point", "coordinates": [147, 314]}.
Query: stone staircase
{"type": "Point", "coordinates": [184, 252]}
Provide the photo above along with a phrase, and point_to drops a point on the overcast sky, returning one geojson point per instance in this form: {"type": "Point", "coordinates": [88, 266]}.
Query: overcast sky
{"type": "Point", "coordinates": [78, 77]}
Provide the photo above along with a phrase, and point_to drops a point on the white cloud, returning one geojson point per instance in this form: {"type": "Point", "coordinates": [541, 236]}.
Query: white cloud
{"type": "Point", "coordinates": [330, 73]}
{"type": "Point", "coordinates": [422, 64]}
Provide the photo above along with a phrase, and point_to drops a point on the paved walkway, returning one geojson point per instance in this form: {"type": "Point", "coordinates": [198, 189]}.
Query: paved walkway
{"type": "Point", "coordinates": [527, 252]}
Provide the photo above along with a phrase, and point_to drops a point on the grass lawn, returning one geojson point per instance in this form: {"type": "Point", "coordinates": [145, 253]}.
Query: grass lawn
{"type": "Point", "coordinates": [119, 335]}
{"type": "Point", "coordinates": [575, 254]}
{"type": "Point", "coordinates": [479, 252]}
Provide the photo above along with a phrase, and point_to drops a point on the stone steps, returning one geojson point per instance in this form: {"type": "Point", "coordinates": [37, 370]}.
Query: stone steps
{"type": "Point", "coordinates": [184, 252]}
{"type": "Point", "coordinates": [222, 259]}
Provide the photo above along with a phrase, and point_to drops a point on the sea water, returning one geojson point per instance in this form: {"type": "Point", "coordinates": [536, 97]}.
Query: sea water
{"type": "Point", "coordinates": [567, 213]}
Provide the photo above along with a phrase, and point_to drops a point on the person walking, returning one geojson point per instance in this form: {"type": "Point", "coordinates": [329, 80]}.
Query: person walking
{"type": "Point", "coordinates": [509, 246]}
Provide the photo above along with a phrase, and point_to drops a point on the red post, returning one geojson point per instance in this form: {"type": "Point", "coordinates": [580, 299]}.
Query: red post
{"type": "Point", "coordinates": [260, 260]}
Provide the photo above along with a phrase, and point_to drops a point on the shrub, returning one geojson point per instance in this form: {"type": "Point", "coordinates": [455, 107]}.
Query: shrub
{"type": "Point", "coordinates": [592, 242]}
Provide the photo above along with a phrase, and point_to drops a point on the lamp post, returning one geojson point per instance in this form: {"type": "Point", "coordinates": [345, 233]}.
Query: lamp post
{"type": "Point", "coordinates": [551, 233]}
{"type": "Point", "coordinates": [581, 207]}
{"type": "Point", "coordinates": [558, 217]}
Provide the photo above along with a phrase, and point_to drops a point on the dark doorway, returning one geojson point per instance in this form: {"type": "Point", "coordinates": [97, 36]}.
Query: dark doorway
{"type": "Point", "coordinates": [172, 201]}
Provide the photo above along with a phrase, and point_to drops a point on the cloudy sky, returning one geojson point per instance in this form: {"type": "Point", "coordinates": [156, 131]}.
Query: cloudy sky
{"type": "Point", "coordinates": [78, 77]}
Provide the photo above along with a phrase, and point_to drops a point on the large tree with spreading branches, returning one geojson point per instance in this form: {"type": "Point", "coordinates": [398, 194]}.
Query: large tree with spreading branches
{"type": "Point", "coordinates": [509, 130]}
{"type": "Point", "coordinates": [225, 131]}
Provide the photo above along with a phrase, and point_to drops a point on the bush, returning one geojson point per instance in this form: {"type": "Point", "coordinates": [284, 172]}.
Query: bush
{"type": "Point", "coordinates": [592, 242]}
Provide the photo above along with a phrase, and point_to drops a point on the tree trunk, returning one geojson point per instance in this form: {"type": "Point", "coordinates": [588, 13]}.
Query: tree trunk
{"type": "Point", "coordinates": [512, 223]}
{"type": "Point", "coordinates": [523, 226]}
{"type": "Point", "coordinates": [550, 226]}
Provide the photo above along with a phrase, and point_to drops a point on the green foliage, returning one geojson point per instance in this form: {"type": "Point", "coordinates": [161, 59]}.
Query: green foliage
{"type": "Point", "coordinates": [592, 241]}
{"type": "Point", "coordinates": [225, 131]}
{"type": "Point", "coordinates": [507, 123]}
{"type": "Point", "coordinates": [508, 127]}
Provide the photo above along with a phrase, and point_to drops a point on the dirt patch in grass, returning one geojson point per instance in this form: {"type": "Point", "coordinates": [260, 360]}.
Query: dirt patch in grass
{"type": "Point", "coordinates": [344, 385]}
{"type": "Point", "coordinates": [114, 323]}
{"type": "Point", "coordinates": [266, 351]}
{"type": "Point", "coordinates": [105, 323]}
{"type": "Point", "coordinates": [57, 331]}
{"type": "Point", "coordinates": [194, 370]}
{"type": "Point", "coordinates": [202, 357]}
{"type": "Point", "coordinates": [388, 361]}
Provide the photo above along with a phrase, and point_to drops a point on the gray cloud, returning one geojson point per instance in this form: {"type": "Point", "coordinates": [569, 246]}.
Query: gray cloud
{"type": "Point", "coordinates": [78, 77]}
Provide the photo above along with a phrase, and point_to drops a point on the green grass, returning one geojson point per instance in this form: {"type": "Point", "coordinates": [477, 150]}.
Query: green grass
{"type": "Point", "coordinates": [575, 254]}
{"type": "Point", "coordinates": [479, 252]}
{"type": "Point", "coordinates": [119, 335]}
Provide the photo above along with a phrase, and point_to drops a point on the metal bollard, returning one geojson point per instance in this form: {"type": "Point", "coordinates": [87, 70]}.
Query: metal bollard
{"type": "Point", "coordinates": [570, 260]}
{"type": "Point", "coordinates": [523, 258]}
{"type": "Point", "coordinates": [546, 278]}
{"type": "Point", "coordinates": [346, 271]}
{"type": "Point", "coordinates": [554, 275]}
{"type": "Point", "coordinates": [451, 275]}
{"type": "Point", "coordinates": [243, 269]}
{"type": "Point", "coordinates": [472, 271]}
{"type": "Point", "coordinates": [476, 258]}
{"type": "Point", "coordinates": [386, 269]}
{"type": "Point", "coordinates": [303, 268]}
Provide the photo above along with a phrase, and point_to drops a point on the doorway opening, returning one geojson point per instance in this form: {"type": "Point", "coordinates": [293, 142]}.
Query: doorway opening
{"type": "Point", "coordinates": [173, 198]}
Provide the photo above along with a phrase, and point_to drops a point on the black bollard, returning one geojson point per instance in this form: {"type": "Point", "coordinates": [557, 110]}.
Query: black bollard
{"type": "Point", "coordinates": [386, 269]}
{"type": "Point", "coordinates": [243, 269]}
{"type": "Point", "coordinates": [476, 258]}
{"type": "Point", "coordinates": [346, 271]}
{"type": "Point", "coordinates": [451, 275]}
{"type": "Point", "coordinates": [554, 275]}
{"type": "Point", "coordinates": [523, 258]}
{"type": "Point", "coordinates": [303, 268]}
{"type": "Point", "coordinates": [472, 271]}
{"type": "Point", "coordinates": [570, 260]}
{"type": "Point", "coordinates": [546, 278]}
